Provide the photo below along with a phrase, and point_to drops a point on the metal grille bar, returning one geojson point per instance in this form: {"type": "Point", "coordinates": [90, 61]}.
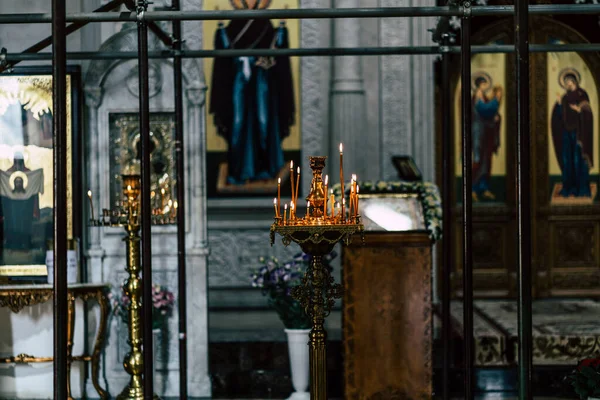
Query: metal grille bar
{"type": "Point", "coordinates": [361, 51]}
{"type": "Point", "coordinates": [180, 172]}
{"type": "Point", "coordinates": [312, 13]}
{"type": "Point", "coordinates": [523, 199]}
{"type": "Point", "coordinates": [146, 205]}
{"type": "Point", "coordinates": [59, 155]}
{"type": "Point", "coordinates": [467, 185]}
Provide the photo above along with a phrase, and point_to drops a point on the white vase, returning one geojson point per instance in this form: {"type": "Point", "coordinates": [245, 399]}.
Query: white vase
{"type": "Point", "coordinates": [298, 351]}
{"type": "Point", "coordinates": [155, 338]}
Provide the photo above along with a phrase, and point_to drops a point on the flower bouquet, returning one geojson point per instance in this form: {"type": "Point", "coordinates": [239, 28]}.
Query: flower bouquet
{"type": "Point", "coordinates": [163, 302]}
{"type": "Point", "coordinates": [586, 379]}
{"type": "Point", "coordinates": [277, 280]}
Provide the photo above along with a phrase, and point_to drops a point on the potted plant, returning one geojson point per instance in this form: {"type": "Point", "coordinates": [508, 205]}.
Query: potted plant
{"type": "Point", "coordinates": [586, 379]}
{"type": "Point", "coordinates": [276, 281]}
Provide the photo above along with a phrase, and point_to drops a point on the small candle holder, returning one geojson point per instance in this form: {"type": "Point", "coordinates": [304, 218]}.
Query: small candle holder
{"type": "Point", "coordinates": [317, 233]}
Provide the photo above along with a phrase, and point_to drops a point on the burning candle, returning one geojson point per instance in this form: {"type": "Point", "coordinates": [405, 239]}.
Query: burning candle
{"type": "Point", "coordinates": [342, 175]}
{"type": "Point", "coordinates": [285, 214]}
{"type": "Point", "coordinates": [292, 216]}
{"type": "Point", "coordinates": [297, 184]}
{"type": "Point", "coordinates": [89, 193]}
{"type": "Point", "coordinates": [175, 207]}
{"type": "Point", "coordinates": [332, 200]}
{"type": "Point", "coordinates": [356, 199]}
{"type": "Point", "coordinates": [351, 208]}
{"type": "Point", "coordinates": [275, 207]}
{"type": "Point", "coordinates": [325, 196]}
{"type": "Point", "coordinates": [343, 208]}
{"type": "Point", "coordinates": [307, 209]}
{"type": "Point", "coordinates": [292, 181]}
{"type": "Point", "coordinates": [278, 196]}
{"type": "Point", "coordinates": [339, 210]}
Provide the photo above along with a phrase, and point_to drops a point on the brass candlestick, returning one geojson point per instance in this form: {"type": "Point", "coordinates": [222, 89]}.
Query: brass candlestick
{"type": "Point", "coordinates": [128, 218]}
{"type": "Point", "coordinates": [317, 234]}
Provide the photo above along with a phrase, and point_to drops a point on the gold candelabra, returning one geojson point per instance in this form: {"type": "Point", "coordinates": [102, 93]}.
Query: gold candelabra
{"type": "Point", "coordinates": [317, 233]}
{"type": "Point", "coordinates": [128, 217]}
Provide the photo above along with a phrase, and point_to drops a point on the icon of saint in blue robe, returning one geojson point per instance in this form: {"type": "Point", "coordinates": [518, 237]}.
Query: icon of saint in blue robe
{"type": "Point", "coordinates": [252, 99]}
{"type": "Point", "coordinates": [573, 137]}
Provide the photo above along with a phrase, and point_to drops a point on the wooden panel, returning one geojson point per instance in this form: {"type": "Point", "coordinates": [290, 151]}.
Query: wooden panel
{"type": "Point", "coordinates": [387, 320]}
{"type": "Point", "coordinates": [574, 244]}
{"type": "Point", "coordinates": [492, 255]}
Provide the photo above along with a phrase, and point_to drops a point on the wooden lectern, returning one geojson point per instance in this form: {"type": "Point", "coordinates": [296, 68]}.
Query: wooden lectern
{"type": "Point", "coordinates": [387, 317]}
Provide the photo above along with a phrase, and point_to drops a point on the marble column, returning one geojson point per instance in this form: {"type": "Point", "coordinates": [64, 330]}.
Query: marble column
{"type": "Point", "coordinates": [407, 103]}
{"type": "Point", "coordinates": [93, 98]}
{"type": "Point", "coordinates": [348, 103]}
{"type": "Point", "coordinates": [199, 384]}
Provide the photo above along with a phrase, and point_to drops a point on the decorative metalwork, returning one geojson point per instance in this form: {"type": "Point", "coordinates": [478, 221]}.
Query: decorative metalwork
{"type": "Point", "coordinates": [317, 233]}
{"type": "Point", "coordinates": [16, 300]}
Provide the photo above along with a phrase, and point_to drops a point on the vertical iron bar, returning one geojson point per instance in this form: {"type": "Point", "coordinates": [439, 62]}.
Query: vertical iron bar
{"type": "Point", "coordinates": [524, 197]}
{"type": "Point", "coordinates": [467, 199]}
{"type": "Point", "coordinates": [146, 205]}
{"type": "Point", "coordinates": [59, 122]}
{"type": "Point", "coordinates": [179, 151]}
{"type": "Point", "coordinates": [447, 182]}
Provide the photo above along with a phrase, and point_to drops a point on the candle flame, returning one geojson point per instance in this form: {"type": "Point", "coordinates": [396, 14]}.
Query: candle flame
{"type": "Point", "coordinates": [341, 148]}
{"type": "Point", "coordinates": [308, 204]}
{"type": "Point", "coordinates": [285, 206]}
{"type": "Point", "coordinates": [170, 202]}
{"type": "Point", "coordinates": [292, 205]}
{"type": "Point", "coordinates": [326, 179]}
{"type": "Point", "coordinates": [344, 201]}
{"type": "Point", "coordinates": [275, 201]}
{"type": "Point", "coordinates": [175, 205]}
{"type": "Point", "coordinates": [354, 177]}
{"type": "Point", "coordinates": [162, 191]}
{"type": "Point", "coordinates": [298, 170]}
{"type": "Point", "coordinates": [331, 191]}
{"type": "Point", "coordinates": [292, 164]}
{"type": "Point", "coordinates": [337, 204]}
{"type": "Point", "coordinates": [357, 187]}
{"type": "Point", "coordinates": [128, 187]}
{"type": "Point", "coordinates": [89, 193]}
{"type": "Point", "coordinates": [278, 181]}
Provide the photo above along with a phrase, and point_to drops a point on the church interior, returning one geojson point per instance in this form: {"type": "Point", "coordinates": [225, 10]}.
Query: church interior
{"type": "Point", "coordinates": [300, 199]}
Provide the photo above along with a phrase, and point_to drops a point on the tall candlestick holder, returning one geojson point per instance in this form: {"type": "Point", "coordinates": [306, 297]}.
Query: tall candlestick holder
{"type": "Point", "coordinates": [317, 233]}
{"type": "Point", "coordinates": [128, 217]}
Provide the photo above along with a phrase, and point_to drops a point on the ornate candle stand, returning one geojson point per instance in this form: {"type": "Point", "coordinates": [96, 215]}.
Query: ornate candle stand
{"type": "Point", "coordinates": [128, 217]}
{"type": "Point", "coordinates": [317, 233]}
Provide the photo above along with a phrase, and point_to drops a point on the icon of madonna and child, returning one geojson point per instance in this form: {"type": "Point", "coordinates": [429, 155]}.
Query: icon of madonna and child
{"type": "Point", "coordinates": [252, 98]}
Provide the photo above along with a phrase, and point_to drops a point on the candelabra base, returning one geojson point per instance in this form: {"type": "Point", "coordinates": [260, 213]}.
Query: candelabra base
{"type": "Point", "coordinates": [134, 391]}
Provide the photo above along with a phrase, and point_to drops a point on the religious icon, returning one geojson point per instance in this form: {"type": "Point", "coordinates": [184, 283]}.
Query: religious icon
{"type": "Point", "coordinates": [26, 168]}
{"type": "Point", "coordinates": [126, 155]}
{"type": "Point", "coordinates": [573, 136]}
{"type": "Point", "coordinates": [252, 100]}
{"type": "Point", "coordinates": [486, 126]}
{"type": "Point", "coordinates": [20, 188]}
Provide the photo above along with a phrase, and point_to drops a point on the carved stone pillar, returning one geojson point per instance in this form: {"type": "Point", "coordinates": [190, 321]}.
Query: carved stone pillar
{"type": "Point", "coordinates": [348, 103]}
{"type": "Point", "coordinates": [196, 274]}
{"type": "Point", "coordinates": [407, 109]}
{"type": "Point", "coordinates": [93, 98]}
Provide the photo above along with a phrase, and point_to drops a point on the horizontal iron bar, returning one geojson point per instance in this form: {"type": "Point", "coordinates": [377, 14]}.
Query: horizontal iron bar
{"type": "Point", "coordinates": [308, 13]}
{"type": "Point", "coordinates": [326, 51]}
